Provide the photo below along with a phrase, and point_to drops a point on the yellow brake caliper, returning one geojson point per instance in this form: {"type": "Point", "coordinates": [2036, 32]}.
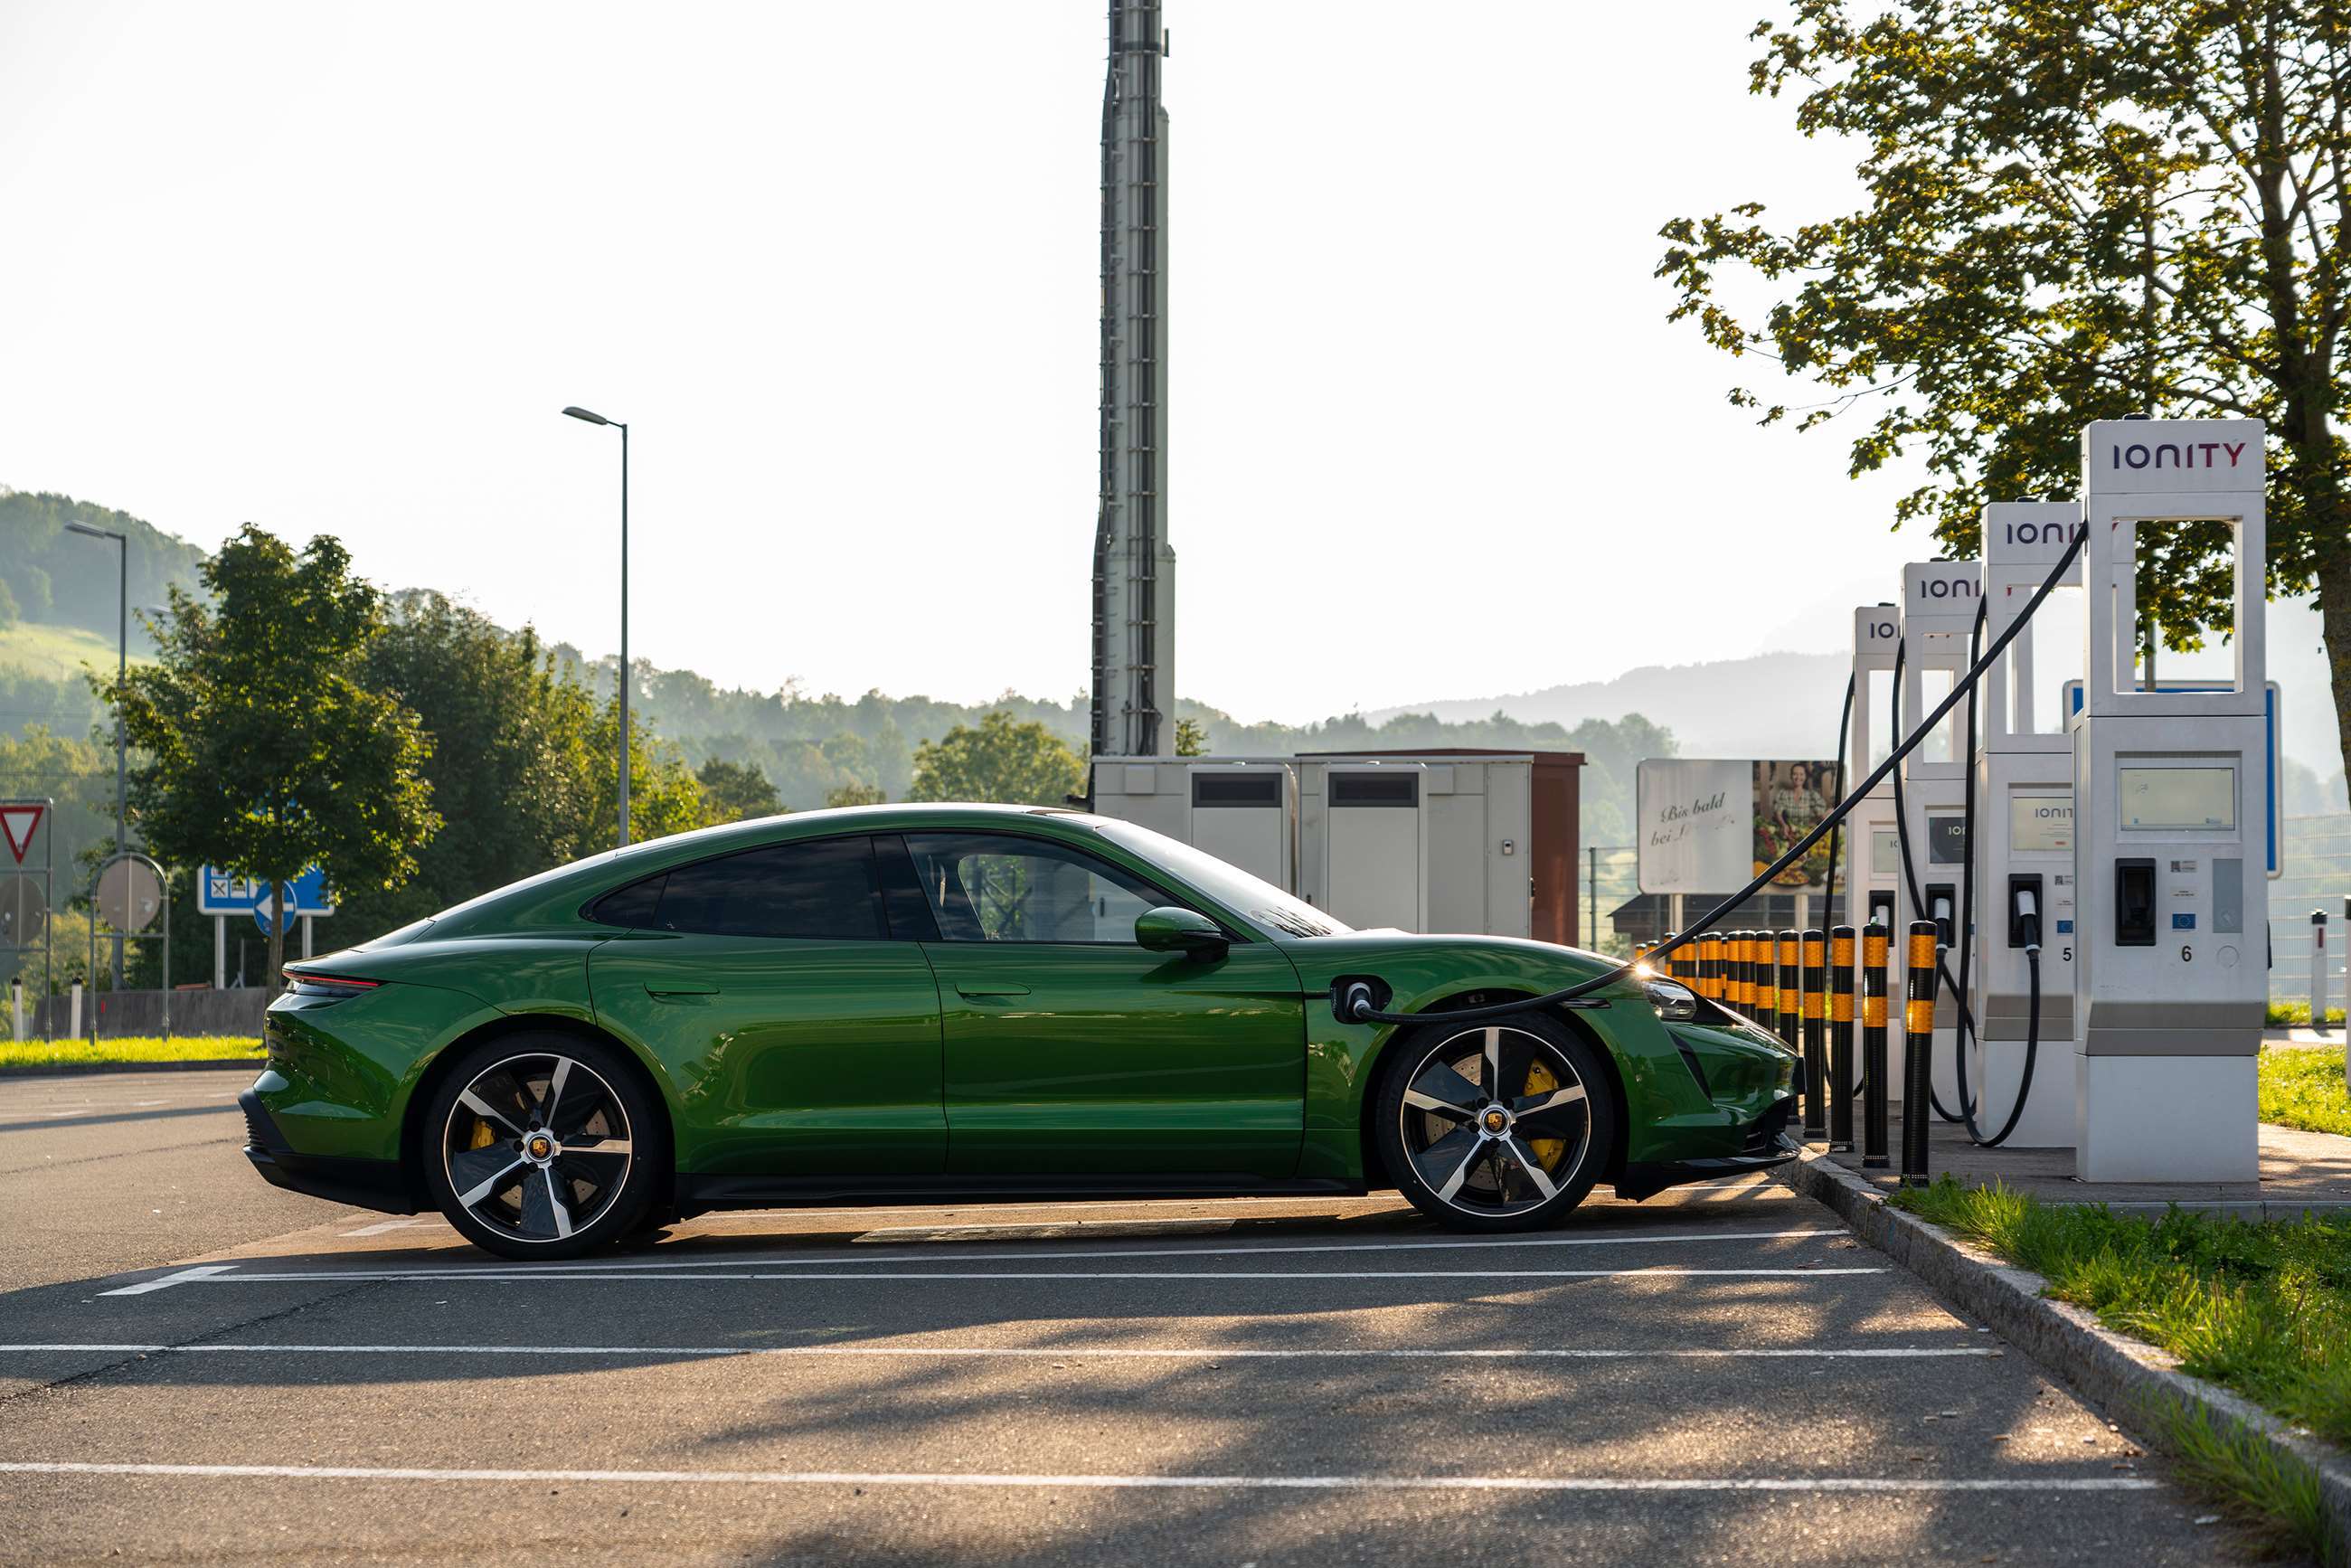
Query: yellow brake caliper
{"type": "Point", "coordinates": [484, 1137]}
{"type": "Point", "coordinates": [1540, 1080]}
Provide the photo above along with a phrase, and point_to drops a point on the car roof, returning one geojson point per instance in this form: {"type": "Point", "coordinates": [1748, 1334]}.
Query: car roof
{"type": "Point", "coordinates": [553, 898]}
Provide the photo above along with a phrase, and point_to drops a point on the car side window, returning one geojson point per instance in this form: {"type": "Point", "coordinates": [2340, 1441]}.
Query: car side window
{"type": "Point", "coordinates": [997, 887]}
{"type": "Point", "coordinates": [826, 889]}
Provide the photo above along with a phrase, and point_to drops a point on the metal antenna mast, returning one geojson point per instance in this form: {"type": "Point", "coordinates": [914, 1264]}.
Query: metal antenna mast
{"type": "Point", "coordinates": [1134, 569]}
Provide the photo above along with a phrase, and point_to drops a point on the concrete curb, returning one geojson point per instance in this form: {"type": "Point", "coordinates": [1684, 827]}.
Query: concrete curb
{"type": "Point", "coordinates": [77, 1069]}
{"type": "Point", "coordinates": [2112, 1371]}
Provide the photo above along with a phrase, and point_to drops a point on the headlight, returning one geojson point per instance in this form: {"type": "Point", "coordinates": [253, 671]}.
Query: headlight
{"type": "Point", "coordinates": [1674, 1003]}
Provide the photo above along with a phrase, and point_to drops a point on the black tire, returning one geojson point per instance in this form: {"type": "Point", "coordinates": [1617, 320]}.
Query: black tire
{"type": "Point", "coordinates": [1466, 1151]}
{"type": "Point", "coordinates": [517, 1184]}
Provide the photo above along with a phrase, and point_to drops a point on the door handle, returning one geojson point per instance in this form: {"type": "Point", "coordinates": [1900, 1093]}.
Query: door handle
{"type": "Point", "coordinates": [977, 992]}
{"type": "Point", "coordinates": [680, 989]}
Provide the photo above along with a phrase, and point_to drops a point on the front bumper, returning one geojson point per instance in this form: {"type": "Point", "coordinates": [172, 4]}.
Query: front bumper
{"type": "Point", "coordinates": [1767, 1143]}
{"type": "Point", "coordinates": [379, 1185]}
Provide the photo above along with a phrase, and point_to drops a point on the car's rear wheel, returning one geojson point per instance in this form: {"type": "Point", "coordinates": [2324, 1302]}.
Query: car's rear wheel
{"type": "Point", "coordinates": [1495, 1127]}
{"type": "Point", "coordinates": [543, 1147]}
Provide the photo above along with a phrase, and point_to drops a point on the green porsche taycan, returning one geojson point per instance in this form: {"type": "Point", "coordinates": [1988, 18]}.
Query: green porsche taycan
{"type": "Point", "coordinates": [891, 1003]}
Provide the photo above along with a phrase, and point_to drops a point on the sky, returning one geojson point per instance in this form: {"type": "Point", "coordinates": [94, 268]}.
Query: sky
{"type": "Point", "coordinates": [328, 268]}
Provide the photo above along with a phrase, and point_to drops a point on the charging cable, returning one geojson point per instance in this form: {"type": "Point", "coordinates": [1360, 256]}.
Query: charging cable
{"type": "Point", "coordinates": [1354, 1003]}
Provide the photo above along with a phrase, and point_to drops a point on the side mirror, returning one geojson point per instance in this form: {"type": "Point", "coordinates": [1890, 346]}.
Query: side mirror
{"type": "Point", "coordinates": [1169, 930]}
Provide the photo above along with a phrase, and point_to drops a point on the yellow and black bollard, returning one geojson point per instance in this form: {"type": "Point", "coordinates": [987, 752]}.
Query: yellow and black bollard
{"type": "Point", "coordinates": [1787, 953]}
{"type": "Point", "coordinates": [1875, 942]}
{"type": "Point", "coordinates": [1748, 991]}
{"type": "Point", "coordinates": [1709, 967]}
{"type": "Point", "coordinates": [1809, 1014]}
{"type": "Point", "coordinates": [1918, 1049]}
{"type": "Point", "coordinates": [1840, 1053]}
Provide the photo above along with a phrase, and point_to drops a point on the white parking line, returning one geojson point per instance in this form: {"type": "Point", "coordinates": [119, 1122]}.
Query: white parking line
{"type": "Point", "coordinates": [1201, 1483]}
{"type": "Point", "coordinates": [184, 1276]}
{"type": "Point", "coordinates": [382, 1226]}
{"type": "Point", "coordinates": [982, 1353]}
{"type": "Point", "coordinates": [1108, 1249]}
{"type": "Point", "coordinates": [529, 1274]}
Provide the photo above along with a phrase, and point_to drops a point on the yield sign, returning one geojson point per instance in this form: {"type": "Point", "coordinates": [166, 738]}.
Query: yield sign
{"type": "Point", "coordinates": [16, 825]}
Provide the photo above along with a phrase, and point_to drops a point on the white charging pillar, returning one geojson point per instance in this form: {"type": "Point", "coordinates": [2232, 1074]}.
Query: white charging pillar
{"type": "Point", "coordinates": [2023, 837]}
{"type": "Point", "coordinates": [1938, 612]}
{"type": "Point", "coordinates": [2171, 974]}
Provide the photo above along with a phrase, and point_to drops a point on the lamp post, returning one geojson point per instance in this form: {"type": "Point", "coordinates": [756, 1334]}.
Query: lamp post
{"type": "Point", "coordinates": [622, 426]}
{"type": "Point", "coordinates": [121, 670]}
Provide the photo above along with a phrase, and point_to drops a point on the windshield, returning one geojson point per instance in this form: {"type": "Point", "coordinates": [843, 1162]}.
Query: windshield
{"type": "Point", "coordinates": [1226, 882]}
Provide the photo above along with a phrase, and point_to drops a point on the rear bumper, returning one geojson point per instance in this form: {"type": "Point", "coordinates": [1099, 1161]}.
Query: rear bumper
{"type": "Point", "coordinates": [379, 1185]}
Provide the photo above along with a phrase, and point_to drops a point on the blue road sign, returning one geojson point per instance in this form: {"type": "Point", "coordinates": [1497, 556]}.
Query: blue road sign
{"type": "Point", "coordinates": [226, 892]}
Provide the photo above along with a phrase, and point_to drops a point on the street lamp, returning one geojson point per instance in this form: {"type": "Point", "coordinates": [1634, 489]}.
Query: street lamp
{"type": "Point", "coordinates": [578, 412]}
{"type": "Point", "coordinates": [121, 672]}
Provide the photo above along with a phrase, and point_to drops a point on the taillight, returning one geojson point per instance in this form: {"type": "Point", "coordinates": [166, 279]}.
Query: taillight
{"type": "Point", "coordinates": [336, 987]}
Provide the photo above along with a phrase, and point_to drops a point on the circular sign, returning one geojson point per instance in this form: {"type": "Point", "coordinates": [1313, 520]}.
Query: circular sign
{"type": "Point", "coordinates": [23, 912]}
{"type": "Point", "coordinates": [129, 895]}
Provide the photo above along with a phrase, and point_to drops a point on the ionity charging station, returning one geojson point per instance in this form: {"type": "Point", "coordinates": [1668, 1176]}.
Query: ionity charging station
{"type": "Point", "coordinates": [1938, 612]}
{"type": "Point", "coordinates": [2022, 980]}
{"type": "Point", "coordinates": [1872, 863]}
{"type": "Point", "coordinates": [2170, 975]}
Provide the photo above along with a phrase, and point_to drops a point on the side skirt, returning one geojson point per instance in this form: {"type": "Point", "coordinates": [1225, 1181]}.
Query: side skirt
{"type": "Point", "coordinates": [696, 1191]}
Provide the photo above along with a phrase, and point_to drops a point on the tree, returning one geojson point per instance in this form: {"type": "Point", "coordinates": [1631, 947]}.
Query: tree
{"type": "Point", "coordinates": [1191, 737]}
{"type": "Point", "coordinates": [736, 791]}
{"type": "Point", "coordinates": [491, 703]}
{"type": "Point", "coordinates": [266, 750]}
{"type": "Point", "coordinates": [2074, 212]}
{"type": "Point", "coordinates": [1016, 763]}
{"type": "Point", "coordinates": [855, 795]}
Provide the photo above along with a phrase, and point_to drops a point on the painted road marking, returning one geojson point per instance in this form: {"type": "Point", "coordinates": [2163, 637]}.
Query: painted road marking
{"type": "Point", "coordinates": [1118, 1353]}
{"type": "Point", "coordinates": [380, 1228]}
{"type": "Point", "coordinates": [1202, 1483]}
{"type": "Point", "coordinates": [1106, 1251]}
{"type": "Point", "coordinates": [219, 1276]}
{"type": "Point", "coordinates": [184, 1276]}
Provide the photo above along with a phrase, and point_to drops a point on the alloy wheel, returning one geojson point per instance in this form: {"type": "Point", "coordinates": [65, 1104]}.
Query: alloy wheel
{"type": "Point", "coordinates": [1496, 1121]}
{"type": "Point", "coordinates": [538, 1147]}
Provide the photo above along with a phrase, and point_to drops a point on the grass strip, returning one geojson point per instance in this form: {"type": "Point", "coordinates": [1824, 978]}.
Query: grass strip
{"type": "Point", "coordinates": [2230, 1463]}
{"type": "Point", "coordinates": [2296, 1015]}
{"type": "Point", "coordinates": [130, 1049]}
{"type": "Point", "coordinates": [2262, 1308]}
{"type": "Point", "coordinates": [2302, 1086]}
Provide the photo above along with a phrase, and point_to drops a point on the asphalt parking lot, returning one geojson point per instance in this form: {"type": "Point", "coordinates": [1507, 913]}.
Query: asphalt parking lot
{"type": "Point", "coordinates": [1722, 1375]}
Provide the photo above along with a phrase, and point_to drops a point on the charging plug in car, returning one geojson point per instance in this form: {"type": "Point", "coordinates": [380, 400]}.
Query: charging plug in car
{"type": "Point", "coordinates": [1354, 995]}
{"type": "Point", "coordinates": [1941, 900]}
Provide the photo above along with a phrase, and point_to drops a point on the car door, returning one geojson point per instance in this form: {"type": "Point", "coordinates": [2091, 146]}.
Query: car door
{"type": "Point", "coordinates": [1073, 1051]}
{"type": "Point", "coordinates": [802, 1036]}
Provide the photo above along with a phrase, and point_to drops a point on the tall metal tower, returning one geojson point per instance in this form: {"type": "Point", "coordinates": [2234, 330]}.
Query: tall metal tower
{"type": "Point", "coordinates": [1134, 569]}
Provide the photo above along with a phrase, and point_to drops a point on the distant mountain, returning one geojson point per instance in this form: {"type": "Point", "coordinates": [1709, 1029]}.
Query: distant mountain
{"type": "Point", "coordinates": [1773, 705]}
{"type": "Point", "coordinates": [54, 577]}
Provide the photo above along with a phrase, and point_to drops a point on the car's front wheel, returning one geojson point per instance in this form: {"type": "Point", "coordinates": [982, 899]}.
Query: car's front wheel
{"type": "Point", "coordinates": [1495, 1127]}
{"type": "Point", "coordinates": [542, 1146]}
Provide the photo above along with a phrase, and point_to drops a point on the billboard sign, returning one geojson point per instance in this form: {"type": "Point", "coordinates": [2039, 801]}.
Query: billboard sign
{"type": "Point", "coordinates": [1712, 825]}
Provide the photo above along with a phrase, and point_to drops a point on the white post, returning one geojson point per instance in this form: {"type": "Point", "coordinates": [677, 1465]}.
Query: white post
{"type": "Point", "coordinates": [220, 951]}
{"type": "Point", "coordinates": [73, 1015]}
{"type": "Point", "coordinates": [15, 1010]}
{"type": "Point", "coordinates": [2318, 971]}
{"type": "Point", "coordinates": [1804, 909]}
{"type": "Point", "coordinates": [307, 939]}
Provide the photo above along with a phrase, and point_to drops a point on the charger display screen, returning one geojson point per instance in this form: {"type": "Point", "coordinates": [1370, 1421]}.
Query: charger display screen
{"type": "Point", "coordinates": [2157, 800]}
{"type": "Point", "coordinates": [2041, 824]}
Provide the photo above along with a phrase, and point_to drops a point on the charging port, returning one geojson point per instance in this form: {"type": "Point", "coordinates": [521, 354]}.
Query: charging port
{"type": "Point", "coordinates": [2134, 903]}
{"type": "Point", "coordinates": [2025, 910]}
